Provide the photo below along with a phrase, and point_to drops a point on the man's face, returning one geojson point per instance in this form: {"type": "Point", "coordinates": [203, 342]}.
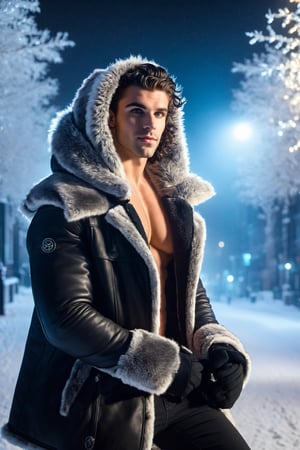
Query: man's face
{"type": "Point", "coordinates": [139, 123]}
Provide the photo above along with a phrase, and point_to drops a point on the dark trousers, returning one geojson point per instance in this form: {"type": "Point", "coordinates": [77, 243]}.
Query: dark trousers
{"type": "Point", "coordinates": [182, 426]}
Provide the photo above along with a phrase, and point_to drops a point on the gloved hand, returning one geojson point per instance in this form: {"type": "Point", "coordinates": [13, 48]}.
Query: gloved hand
{"type": "Point", "coordinates": [187, 378]}
{"type": "Point", "coordinates": [227, 366]}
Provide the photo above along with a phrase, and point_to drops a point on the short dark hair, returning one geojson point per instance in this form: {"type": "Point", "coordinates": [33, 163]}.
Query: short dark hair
{"type": "Point", "coordinates": [150, 77]}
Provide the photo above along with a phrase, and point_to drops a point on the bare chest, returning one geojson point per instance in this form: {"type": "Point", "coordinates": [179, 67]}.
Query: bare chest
{"type": "Point", "coordinates": [154, 220]}
{"type": "Point", "coordinates": [157, 228]}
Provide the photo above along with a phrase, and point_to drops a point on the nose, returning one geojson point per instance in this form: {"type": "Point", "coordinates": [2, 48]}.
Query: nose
{"type": "Point", "coordinates": [149, 122]}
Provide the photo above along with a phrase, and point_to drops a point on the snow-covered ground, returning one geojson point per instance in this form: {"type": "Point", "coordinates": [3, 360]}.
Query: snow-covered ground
{"type": "Point", "coordinates": [267, 413]}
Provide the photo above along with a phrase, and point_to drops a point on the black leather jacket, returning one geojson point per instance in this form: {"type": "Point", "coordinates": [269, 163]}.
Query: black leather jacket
{"type": "Point", "coordinates": [94, 358]}
{"type": "Point", "coordinates": [91, 287]}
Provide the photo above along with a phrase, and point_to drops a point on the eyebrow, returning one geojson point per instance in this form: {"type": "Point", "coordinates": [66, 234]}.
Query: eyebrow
{"type": "Point", "coordinates": [140, 105]}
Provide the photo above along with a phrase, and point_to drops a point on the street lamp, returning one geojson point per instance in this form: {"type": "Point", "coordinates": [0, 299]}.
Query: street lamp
{"type": "Point", "coordinates": [288, 266]}
{"type": "Point", "coordinates": [242, 131]}
{"type": "Point", "coordinates": [230, 278]}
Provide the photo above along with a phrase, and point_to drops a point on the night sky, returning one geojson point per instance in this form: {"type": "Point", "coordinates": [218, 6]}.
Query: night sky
{"type": "Point", "coordinates": [197, 41]}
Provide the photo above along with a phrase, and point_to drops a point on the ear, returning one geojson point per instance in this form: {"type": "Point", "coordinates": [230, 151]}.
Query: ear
{"type": "Point", "coordinates": [111, 119]}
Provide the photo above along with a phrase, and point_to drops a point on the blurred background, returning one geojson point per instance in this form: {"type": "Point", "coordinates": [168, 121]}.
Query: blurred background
{"type": "Point", "coordinates": [238, 64]}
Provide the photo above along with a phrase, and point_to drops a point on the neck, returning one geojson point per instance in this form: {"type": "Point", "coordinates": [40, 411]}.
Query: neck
{"type": "Point", "coordinates": [134, 170]}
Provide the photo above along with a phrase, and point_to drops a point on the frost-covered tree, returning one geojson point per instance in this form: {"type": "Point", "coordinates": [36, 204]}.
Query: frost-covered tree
{"type": "Point", "coordinates": [26, 94]}
{"type": "Point", "coordinates": [283, 36]}
{"type": "Point", "coordinates": [269, 96]}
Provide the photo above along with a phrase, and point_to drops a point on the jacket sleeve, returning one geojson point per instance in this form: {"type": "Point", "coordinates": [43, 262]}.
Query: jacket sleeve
{"type": "Point", "coordinates": [63, 295]}
{"type": "Point", "coordinates": [203, 310]}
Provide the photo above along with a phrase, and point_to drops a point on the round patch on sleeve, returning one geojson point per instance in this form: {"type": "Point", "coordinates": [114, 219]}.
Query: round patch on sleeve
{"type": "Point", "coordinates": [48, 245]}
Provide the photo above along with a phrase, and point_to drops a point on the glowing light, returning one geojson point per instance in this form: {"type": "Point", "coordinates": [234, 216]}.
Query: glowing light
{"type": "Point", "coordinates": [247, 258]}
{"type": "Point", "coordinates": [288, 266]}
{"type": "Point", "coordinates": [294, 148]}
{"type": "Point", "coordinates": [221, 244]}
{"type": "Point", "coordinates": [242, 131]}
{"type": "Point", "coordinates": [230, 278]}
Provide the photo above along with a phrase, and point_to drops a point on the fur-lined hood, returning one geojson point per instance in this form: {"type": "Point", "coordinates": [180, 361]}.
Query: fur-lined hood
{"type": "Point", "coordinates": [88, 170]}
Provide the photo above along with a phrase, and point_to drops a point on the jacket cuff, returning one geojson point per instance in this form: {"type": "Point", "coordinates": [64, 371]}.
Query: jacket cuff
{"type": "Point", "coordinates": [213, 333]}
{"type": "Point", "coordinates": [149, 364]}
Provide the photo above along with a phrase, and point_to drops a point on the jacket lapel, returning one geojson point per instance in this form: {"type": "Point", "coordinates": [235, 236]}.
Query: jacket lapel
{"type": "Point", "coordinates": [189, 237]}
{"type": "Point", "coordinates": [119, 219]}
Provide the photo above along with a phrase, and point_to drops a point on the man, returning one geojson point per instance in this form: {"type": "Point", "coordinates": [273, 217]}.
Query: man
{"type": "Point", "coordinates": [124, 349]}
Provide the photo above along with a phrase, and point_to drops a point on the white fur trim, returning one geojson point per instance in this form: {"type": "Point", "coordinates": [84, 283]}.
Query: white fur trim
{"type": "Point", "coordinates": [78, 376]}
{"type": "Point", "coordinates": [213, 333]}
{"type": "Point", "coordinates": [149, 364]}
{"type": "Point", "coordinates": [194, 273]}
{"type": "Point", "coordinates": [94, 158]}
{"type": "Point", "coordinates": [118, 218]}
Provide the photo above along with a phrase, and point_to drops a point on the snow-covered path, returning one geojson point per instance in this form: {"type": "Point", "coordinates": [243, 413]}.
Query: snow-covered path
{"type": "Point", "coordinates": [268, 412]}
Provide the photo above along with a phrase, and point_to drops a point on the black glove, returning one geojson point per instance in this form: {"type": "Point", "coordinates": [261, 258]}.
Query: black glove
{"type": "Point", "coordinates": [227, 366]}
{"type": "Point", "coordinates": [187, 378]}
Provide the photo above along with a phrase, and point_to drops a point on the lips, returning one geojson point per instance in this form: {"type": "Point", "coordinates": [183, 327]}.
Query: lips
{"type": "Point", "coordinates": [147, 138]}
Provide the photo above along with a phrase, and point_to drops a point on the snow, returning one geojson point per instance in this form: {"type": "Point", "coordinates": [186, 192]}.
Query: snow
{"type": "Point", "coordinates": [268, 411]}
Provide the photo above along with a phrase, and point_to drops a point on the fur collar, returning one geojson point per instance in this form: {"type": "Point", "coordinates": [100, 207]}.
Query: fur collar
{"type": "Point", "coordinates": [90, 170]}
